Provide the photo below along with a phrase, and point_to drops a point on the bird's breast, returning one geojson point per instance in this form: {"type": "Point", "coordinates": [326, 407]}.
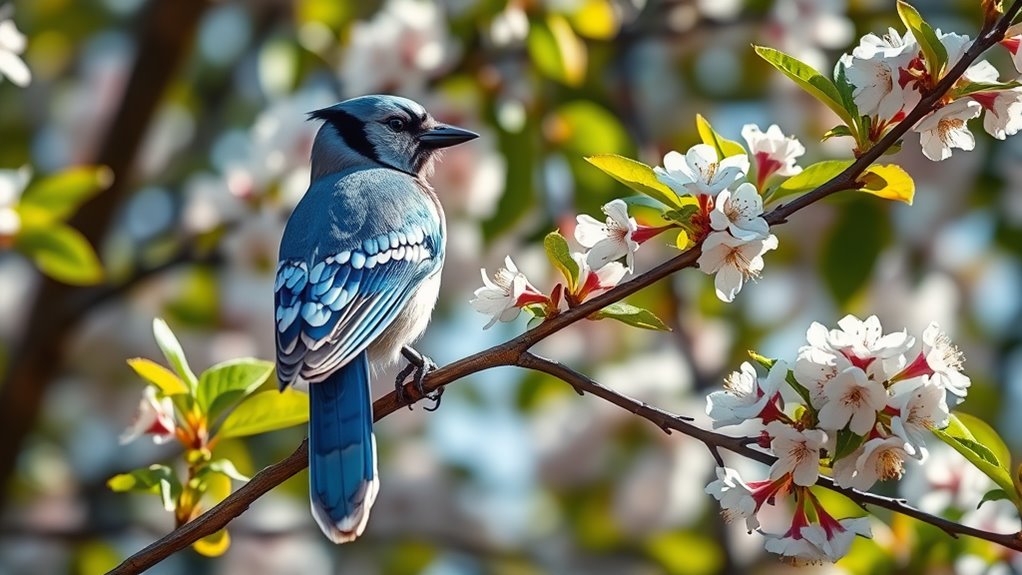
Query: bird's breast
{"type": "Point", "coordinates": [408, 325]}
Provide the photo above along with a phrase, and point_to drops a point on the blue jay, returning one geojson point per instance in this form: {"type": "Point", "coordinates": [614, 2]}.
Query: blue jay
{"type": "Point", "coordinates": [358, 276]}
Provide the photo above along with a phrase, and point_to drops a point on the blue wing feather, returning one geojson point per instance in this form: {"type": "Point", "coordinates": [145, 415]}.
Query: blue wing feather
{"type": "Point", "coordinates": [327, 311]}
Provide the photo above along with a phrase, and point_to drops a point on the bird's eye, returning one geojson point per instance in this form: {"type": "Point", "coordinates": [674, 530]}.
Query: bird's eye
{"type": "Point", "coordinates": [396, 124]}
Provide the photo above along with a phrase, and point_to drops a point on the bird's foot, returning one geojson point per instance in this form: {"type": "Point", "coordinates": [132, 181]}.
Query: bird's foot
{"type": "Point", "coordinates": [418, 367]}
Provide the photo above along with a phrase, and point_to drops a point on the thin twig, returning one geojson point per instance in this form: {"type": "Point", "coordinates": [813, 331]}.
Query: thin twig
{"type": "Point", "coordinates": [515, 352]}
{"type": "Point", "coordinates": [715, 441]}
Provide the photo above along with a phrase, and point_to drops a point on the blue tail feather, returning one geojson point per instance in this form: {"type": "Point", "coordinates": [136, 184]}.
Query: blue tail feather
{"type": "Point", "coordinates": [342, 451]}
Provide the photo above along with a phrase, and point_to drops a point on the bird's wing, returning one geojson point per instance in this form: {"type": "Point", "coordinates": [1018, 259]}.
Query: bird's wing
{"type": "Point", "coordinates": [329, 310]}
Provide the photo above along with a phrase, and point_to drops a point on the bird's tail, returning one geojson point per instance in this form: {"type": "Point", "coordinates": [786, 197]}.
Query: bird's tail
{"type": "Point", "coordinates": [342, 451]}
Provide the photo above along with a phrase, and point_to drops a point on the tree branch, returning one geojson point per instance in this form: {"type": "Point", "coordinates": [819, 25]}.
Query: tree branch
{"type": "Point", "coordinates": [515, 353]}
{"type": "Point", "coordinates": [740, 445]}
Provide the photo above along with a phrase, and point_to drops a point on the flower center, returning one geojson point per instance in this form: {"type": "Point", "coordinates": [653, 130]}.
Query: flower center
{"type": "Point", "coordinates": [947, 125]}
{"type": "Point", "coordinates": [735, 385]}
{"type": "Point", "coordinates": [950, 355]}
{"type": "Point", "coordinates": [737, 259]}
{"type": "Point", "coordinates": [800, 452]}
{"type": "Point", "coordinates": [889, 465]}
{"type": "Point", "coordinates": [504, 278]}
{"type": "Point", "coordinates": [711, 171]}
{"type": "Point", "coordinates": [855, 397]}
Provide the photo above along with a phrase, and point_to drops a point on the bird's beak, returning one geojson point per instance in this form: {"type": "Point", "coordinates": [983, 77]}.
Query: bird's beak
{"type": "Point", "coordinates": [446, 136]}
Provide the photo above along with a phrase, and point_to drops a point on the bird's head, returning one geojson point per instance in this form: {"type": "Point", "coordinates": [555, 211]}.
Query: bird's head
{"type": "Point", "coordinates": [390, 131]}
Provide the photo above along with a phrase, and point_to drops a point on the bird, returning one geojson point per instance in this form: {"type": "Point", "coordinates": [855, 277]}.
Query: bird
{"type": "Point", "coordinates": [357, 278]}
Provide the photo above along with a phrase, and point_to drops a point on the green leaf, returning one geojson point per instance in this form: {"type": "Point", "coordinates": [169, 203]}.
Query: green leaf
{"type": "Point", "coordinates": [631, 315]}
{"type": "Point", "coordinates": [801, 390]}
{"type": "Point", "coordinates": [225, 383]}
{"type": "Point", "coordinates": [818, 85]}
{"type": "Point", "coordinates": [983, 433]}
{"type": "Point", "coordinates": [933, 51]}
{"type": "Point", "coordinates": [890, 182]}
{"type": "Point", "coordinates": [987, 451]}
{"type": "Point", "coordinates": [852, 246]}
{"type": "Point", "coordinates": [847, 443]}
{"type": "Point", "coordinates": [847, 92]}
{"type": "Point", "coordinates": [159, 479]}
{"type": "Point", "coordinates": [226, 467]}
{"type": "Point", "coordinates": [560, 256]}
{"type": "Point", "coordinates": [59, 195]}
{"type": "Point", "coordinates": [266, 411]}
{"type": "Point", "coordinates": [62, 253]}
{"type": "Point", "coordinates": [164, 379]}
{"type": "Point", "coordinates": [993, 495]}
{"type": "Point", "coordinates": [556, 51]}
{"type": "Point", "coordinates": [725, 148]}
{"type": "Point", "coordinates": [811, 178]}
{"type": "Point", "coordinates": [837, 132]}
{"type": "Point", "coordinates": [172, 351]}
{"type": "Point", "coordinates": [970, 88]}
{"type": "Point", "coordinates": [639, 177]}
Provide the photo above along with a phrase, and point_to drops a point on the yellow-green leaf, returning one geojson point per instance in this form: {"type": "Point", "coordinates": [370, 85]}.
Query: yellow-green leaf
{"type": "Point", "coordinates": [631, 315]}
{"type": "Point", "coordinates": [890, 182]}
{"type": "Point", "coordinates": [933, 50]}
{"type": "Point", "coordinates": [986, 450]}
{"type": "Point", "coordinates": [818, 85]}
{"type": "Point", "coordinates": [560, 257]}
{"type": "Point", "coordinates": [639, 177]}
{"type": "Point", "coordinates": [59, 195]}
{"type": "Point", "coordinates": [213, 545]}
{"type": "Point", "coordinates": [171, 348]}
{"type": "Point", "coordinates": [596, 19]}
{"type": "Point", "coordinates": [556, 51]}
{"type": "Point", "coordinates": [164, 379]}
{"type": "Point", "coordinates": [266, 411]}
{"type": "Point", "coordinates": [725, 148]}
{"type": "Point", "coordinates": [811, 178]}
{"type": "Point", "coordinates": [226, 383]}
{"type": "Point", "coordinates": [62, 253]}
{"type": "Point", "coordinates": [682, 242]}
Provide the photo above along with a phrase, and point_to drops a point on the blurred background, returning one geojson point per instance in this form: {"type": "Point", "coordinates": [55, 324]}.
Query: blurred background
{"type": "Point", "coordinates": [198, 109]}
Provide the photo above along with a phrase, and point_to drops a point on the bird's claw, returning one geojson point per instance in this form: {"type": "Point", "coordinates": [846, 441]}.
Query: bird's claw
{"type": "Point", "coordinates": [418, 366]}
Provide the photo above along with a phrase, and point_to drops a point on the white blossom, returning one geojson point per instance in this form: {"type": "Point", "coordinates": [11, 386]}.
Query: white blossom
{"type": "Point", "coordinates": [947, 128]}
{"type": "Point", "coordinates": [610, 240]}
{"type": "Point", "coordinates": [592, 282]}
{"type": "Point", "coordinates": [1002, 112]}
{"type": "Point", "coordinates": [945, 360]}
{"type": "Point", "coordinates": [773, 152]}
{"type": "Point", "coordinates": [502, 297]}
{"type": "Point", "coordinates": [835, 538]}
{"type": "Point", "coordinates": [12, 184]}
{"type": "Point", "coordinates": [733, 260]}
{"type": "Point", "coordinates": [700, 171]}
{"type": "Point", "coordinates": [12, 45]}
{"type": "Point", "coordinates": [865, 340]}
{"type": "Point", "coordinates": [740, 212]}
{"type": "Point", "coordinates": [879, 459]}
{"type": "Point", "coordinates": [796, 548]}
{"type": "Point", "coordinates": [852, 399]}
{"type": "Point", "coordinates": [874, 69]}
{"type": "Point", "coordinates": [798, 452]}
{"type": "Point", "coordinates": [920, 404]}
{"type": "Point", "coordinates": [1012, 45]}
{"type": "Point", "coordinates": [406, 43]}
{"type": "Point", "coordinates": [745, 395]}
{"type": "Point", "coordinates": [955, 45]}
{"type": "Point", "coordinates": [735, 497]}
{"type": "Point", "coordinates": [155, 417]}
